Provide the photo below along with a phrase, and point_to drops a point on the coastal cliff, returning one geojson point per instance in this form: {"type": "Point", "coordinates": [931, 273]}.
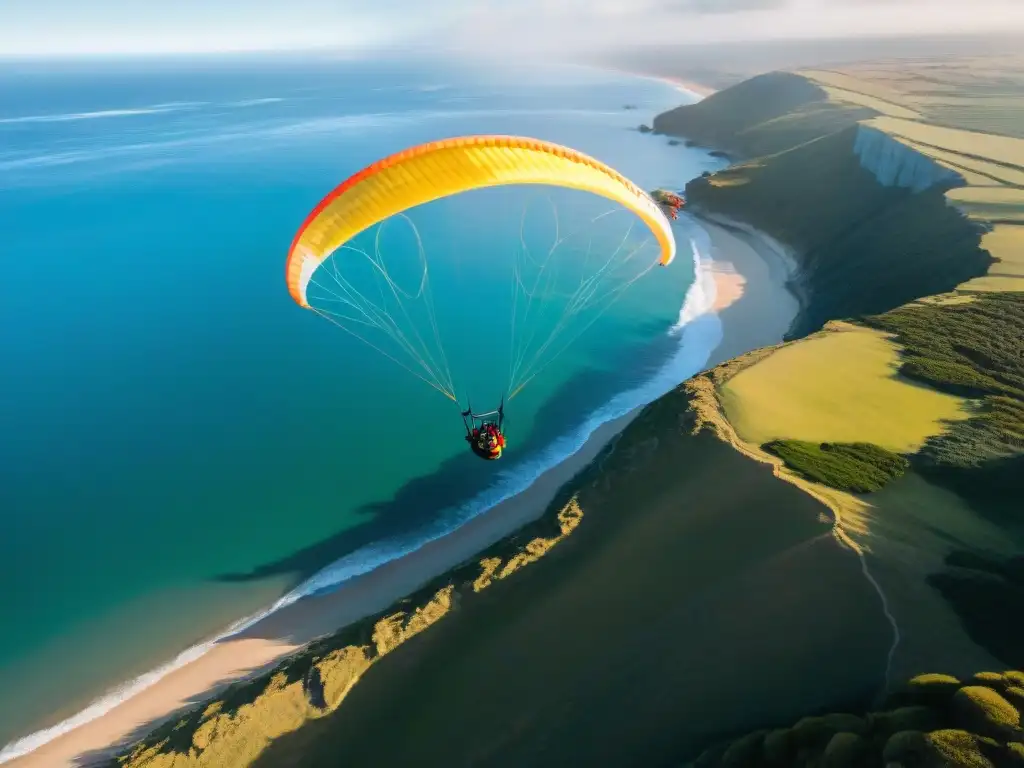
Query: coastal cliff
{"type": "Point", "coordinates": [866, 215]}
{"type": "Point", "coordinates": [873, 211]}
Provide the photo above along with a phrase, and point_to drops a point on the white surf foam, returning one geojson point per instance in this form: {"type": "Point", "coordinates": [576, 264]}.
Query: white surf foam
{"type": "Point", "coordinates": [102, 114]}
{"type": "Point", "coordinates": [256, 102]}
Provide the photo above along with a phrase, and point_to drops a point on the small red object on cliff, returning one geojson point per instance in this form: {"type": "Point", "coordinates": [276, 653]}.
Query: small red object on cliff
{"type": "Point", "coordinates": [669, 202]}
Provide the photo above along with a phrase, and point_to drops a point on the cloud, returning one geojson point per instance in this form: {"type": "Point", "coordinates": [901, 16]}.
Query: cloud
{"type": "Point", "coordinates": [719, 6]}
{"type": "Point", "coordinates": [567, 27]}
{"type": "Point", "coordinates": [498, 27]}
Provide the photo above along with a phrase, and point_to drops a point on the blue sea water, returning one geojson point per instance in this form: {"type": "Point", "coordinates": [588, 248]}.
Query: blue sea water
{"type": "Point", "coordinates": [180, 444]}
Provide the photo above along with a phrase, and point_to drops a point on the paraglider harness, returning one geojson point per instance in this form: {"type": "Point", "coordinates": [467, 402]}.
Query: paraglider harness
{"type": "Point", "coordinates": [484, 434]}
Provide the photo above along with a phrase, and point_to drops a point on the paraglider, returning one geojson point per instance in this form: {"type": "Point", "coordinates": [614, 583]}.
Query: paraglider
{"type": "Point", "coordinates": [484, 435]}
{"type": "Point", "coordinates": [440, 169]}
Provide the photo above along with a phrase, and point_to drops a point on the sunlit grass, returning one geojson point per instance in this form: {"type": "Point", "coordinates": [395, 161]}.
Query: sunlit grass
{"type": "Point", "coordinates": [838, 387]}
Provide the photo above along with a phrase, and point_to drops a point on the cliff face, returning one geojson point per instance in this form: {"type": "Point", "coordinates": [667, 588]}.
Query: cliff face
{"type": "Point", "coordinates": [866, 214]}
{"type": "Point", "coordinates": [894, 164]}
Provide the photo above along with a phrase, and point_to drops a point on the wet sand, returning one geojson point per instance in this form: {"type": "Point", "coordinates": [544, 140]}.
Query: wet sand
{"type": "Point", "coordinates": [755, 309]}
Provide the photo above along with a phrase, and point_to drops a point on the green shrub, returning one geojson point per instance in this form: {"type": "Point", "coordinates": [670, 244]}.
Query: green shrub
{"type": "Point", "coordinates": [932, 689]}
{"type": "Point", "coordinates": [955, 748]}
{"type": "Point", "coordinates": [983, 711]}
{"type": "Point", "coordinates": [912, 718]}
{"type": "Point", "coordinates": [855, 467]}
{"type": "Point", "coordinates": [906, 747]}
{"type": "Point", "coordinates": [991, 679]}
{"type": "Point", "coordinates": [779, 746]}
{"type": "Point", "coordinates": [949, 376]}
{"type": "Point", "coordinates": [815, 732]}
{"type": "Point", "coordinates": [1015, 695]}
{"type": "Point", "coordinates": [844, 750]}
{"type": "Point", "coordinates": [745, 752]}
{"type": "Point", "coordinates": [1015, 754]}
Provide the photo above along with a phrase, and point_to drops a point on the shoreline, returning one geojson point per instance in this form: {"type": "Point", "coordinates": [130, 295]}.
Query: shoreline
{"type": "Point", "coordinates": [280, 634]}
{"type": "Point", "coordinates": [782, 260]}
{"type": "Point", "coordinates": [682, 84]}
{"type": "Point", "coordinates": [748, 278]}
{"type": "Point", "coordinates": [751, 300]}
{"type": "Point", "coordinates": [690, 87]}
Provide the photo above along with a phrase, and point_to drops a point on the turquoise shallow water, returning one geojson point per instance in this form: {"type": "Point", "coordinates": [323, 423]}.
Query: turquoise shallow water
{"type": "Point", "coordinates": [182, 445]}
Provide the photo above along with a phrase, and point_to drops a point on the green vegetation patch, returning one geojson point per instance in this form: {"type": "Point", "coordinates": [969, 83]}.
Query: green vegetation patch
{"type": "Point", "coordinates": [956, 747]}
{"type": "Point", "coordinates": [984, 711]}
{"type": "Point", "coordinates": [854, 467]}
{"type": "Point", "coordinates": [970, 349]}
{"type": "Point", "coordinates": [974, 349]}
{"type": "Point", "coordinates": [948, 723]}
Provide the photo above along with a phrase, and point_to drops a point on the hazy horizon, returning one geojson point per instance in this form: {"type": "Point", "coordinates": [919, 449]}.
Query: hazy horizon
{"type": "Point", "coordinates": [66, 28]}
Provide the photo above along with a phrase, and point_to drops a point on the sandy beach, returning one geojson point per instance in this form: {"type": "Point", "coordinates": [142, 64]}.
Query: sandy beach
{"type": "Point", "coordinates": [689, 87]}
{"type": "Point", "coordinates": [755, 309]}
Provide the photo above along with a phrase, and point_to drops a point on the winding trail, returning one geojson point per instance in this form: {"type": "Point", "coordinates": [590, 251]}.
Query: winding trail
{"type": "Point", "coordinates": [709, 414]}
{"type": "Point", "coordinates": [846, 540]}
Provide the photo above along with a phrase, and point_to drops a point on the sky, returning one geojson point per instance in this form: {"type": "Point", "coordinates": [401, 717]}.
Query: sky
{"type": "Point", "coordinates": [48, 28]}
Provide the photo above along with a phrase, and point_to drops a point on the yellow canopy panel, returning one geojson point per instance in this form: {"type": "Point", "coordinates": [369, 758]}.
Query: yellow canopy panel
{"type": "Point", "coordinates": [442, 168]}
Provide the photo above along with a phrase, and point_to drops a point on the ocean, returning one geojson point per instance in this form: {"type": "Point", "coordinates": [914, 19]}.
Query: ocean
{"type": "Point", "coordinates": [181, 446]}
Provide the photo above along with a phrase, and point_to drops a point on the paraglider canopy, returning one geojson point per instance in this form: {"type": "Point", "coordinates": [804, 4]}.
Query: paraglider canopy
{"type": "Point", "coordinates": [441, 168]}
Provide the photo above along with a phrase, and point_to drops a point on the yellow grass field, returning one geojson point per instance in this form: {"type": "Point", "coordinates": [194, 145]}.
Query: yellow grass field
{"type": "Point", "coordinates": [988, 174]}
{"type": "Point", "coordinates": [1006, 243]}
{"type": "Point", "coordinates": [865, 100]}
{"type": "Point", "coordinates": [852, 84]}
{"type": "Point", "coordinates": [989, 203]}
{"type": "Point", "coordinates": [839, 386]}
{"type": "Point", "coordinates": [1000, 149]}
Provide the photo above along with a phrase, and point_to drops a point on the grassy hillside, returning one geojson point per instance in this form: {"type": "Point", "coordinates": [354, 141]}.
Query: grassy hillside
{"type": "Point", "coordinates": [907, 221]}
{"type": "Point", "coordinates": [934, 721]}
{"type": "Point", "coordinates": [767, 114]}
